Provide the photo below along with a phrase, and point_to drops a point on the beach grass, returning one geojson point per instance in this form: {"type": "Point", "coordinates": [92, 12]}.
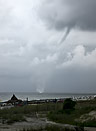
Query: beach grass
{"type": "Point", "coordinates": [53, 111]}
{"type": "Point", "coordinates": [72, 116]}
{"type": "Point", "coordinates": [17, 114]}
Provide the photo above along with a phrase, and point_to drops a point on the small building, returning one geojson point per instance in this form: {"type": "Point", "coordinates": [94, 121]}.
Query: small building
{"type": "Point", "coordinates": [14, 100]}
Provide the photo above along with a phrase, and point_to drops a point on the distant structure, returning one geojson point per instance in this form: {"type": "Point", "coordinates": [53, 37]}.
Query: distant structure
{"type": "Point", "coordinates": [14, 100]}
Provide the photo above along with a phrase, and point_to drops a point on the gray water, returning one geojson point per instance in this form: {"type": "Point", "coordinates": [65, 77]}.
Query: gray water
{"type": "Point", "coordinates": [37, 96]}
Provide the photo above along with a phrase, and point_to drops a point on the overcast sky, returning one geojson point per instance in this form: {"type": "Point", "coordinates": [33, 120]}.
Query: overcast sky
{"type": "Point", "coordinates": [48, 46]}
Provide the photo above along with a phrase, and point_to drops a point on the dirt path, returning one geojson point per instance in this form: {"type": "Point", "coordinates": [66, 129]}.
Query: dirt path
{"type": "Point", "coordinates": [90, 129]}
{"type": "Point", "coordinates": [31, 122]}
{"type": "Point", "coordinates": [35, 123]}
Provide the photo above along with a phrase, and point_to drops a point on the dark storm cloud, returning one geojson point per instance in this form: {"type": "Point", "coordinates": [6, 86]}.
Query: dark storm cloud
{"type": "Point", "coordinates": [61, 14]}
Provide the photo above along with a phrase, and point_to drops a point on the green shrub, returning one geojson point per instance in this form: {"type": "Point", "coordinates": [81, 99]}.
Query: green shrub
{"type": "Point", "coordinates": [69, 104]}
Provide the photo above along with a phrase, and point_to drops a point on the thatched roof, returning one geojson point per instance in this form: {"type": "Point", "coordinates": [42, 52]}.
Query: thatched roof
{"type": "Point", "coordinates": [14, 99]}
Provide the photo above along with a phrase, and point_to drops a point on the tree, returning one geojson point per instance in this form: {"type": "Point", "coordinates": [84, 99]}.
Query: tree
{"type": "Point", "coordinates": [69, 104]}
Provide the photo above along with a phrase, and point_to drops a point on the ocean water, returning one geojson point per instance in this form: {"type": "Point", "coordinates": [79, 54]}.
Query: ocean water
{"type": "Point", "coordinates": [37, 96]}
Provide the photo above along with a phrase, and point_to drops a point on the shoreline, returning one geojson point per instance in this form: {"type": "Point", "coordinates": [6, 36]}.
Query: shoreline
{"type": "Point", "coordinates": [6, 104]}
{"type": "Point", "coordinates": [37, 96]}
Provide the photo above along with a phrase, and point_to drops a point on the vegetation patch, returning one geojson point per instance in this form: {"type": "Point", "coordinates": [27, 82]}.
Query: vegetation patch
{"type": "Point", "coordinates": [80, 115]}
{"type": "Point", "coordinates": [18, 114]}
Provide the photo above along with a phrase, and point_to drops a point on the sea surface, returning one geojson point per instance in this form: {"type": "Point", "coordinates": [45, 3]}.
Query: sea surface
{"type": "Point", "coordinates": [37, 96]}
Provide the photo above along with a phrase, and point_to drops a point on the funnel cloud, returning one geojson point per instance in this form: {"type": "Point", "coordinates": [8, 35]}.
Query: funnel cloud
{"type": "Point", "coordinates": [70, 14]}
{"type": "Point", "coordinates": [65, 35]}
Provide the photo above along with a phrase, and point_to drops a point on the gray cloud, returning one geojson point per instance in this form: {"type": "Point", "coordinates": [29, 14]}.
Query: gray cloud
{"type": "Point", "coordinates": [73, 80]}
{"type": "Point", "coordinates": [31, 59]}
{"type": "Point", "coordinates": [61, 14]}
